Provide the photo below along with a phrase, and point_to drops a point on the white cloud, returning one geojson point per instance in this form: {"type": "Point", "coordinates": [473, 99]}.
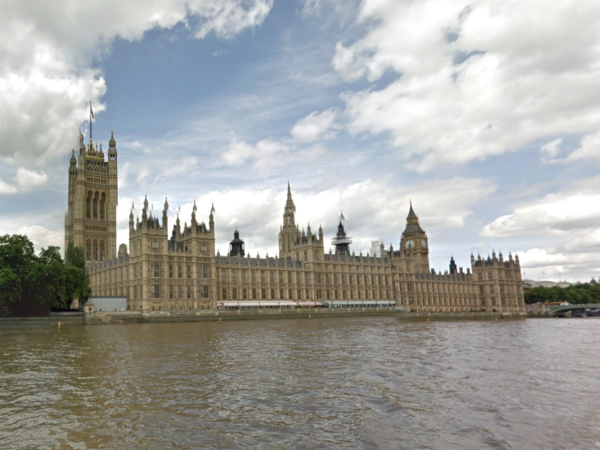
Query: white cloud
{"type": "Point", "coordinates": [267, 154]}
{"type": "Point", "coordinates": [46, 52]}
{"type": "Point", "coordinates": [30, 179]}
{"type": "Point", "coordinates": [473, 80]}
{"type": "Point", "coordinates": [555, 213]}
{"type": "Point", "coordinates": [6, 188]}
{"type": "Point", "coordinates": [550, 150]}
{"type": "Point", "coordinates": [315, 126]}
{"type": "Point", "coordinates": [566, 222]}
{"type": "Point", "coordinates": [43, 237]}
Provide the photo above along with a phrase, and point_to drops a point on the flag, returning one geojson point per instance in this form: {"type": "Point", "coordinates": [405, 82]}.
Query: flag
{"type": "Point", "coordinates": [92, 111]}
{"type": "Point", "coordinates": [342, 216]}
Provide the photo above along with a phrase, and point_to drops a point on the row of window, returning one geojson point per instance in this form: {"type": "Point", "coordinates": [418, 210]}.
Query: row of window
{"type": "Point", "coordinates": [155, 246]}
{"type": "Point", "coordinates": [319, 278]}
{"type": "Point", "coordinates": [302, 294]}
{"type": "Point", "coordinates": [180, 292]}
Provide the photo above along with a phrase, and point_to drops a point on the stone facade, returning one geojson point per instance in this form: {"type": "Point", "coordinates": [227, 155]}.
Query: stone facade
{"type": "Point", "coordinates": [184, 272]}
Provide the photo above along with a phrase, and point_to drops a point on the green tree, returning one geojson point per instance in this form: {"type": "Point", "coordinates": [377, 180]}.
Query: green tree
{"type": "Point", "coordinates": [74, 255]}
{"type": "Point", "coordinates": [10, 289]}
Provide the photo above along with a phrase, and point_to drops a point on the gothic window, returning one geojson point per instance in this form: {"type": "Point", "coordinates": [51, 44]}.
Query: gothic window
{"type": "Point", "coordinates": [189, 271]}
{"type": "Point", "coordinates": [203, 291]}
{"type": "Point", "coordinates": [102, 206]}
{"type": "Point", "coordinates": [170, 270]}
{"type": "Point", "coordinates": [263, 294]}
{"type": "Point", "coordinates": [171, 291]}
{"type": "Point", "coordinates": [272, 277]}
{"type": "Point", "coordinates": [101, 250]}
{"type": "Point", "coordinates": [88, 206]}
{"type": "Point", "coordinates": [244, 294]}
{"type": "Point", "coordinates": [88, 250]}
{"type": "Point", "coordinates": [234, 294]}
{"type": "Point", "coordinates": [95, 207]}
{"type": "Point", "coordinates": [95, 254]}
{"type": "Point", "coordinates": [189, 292]}
{"type": "Point", "coordinates": [180, 291]}
{"type": "Point", "coordinates": [272, 294]}
{"type": "Point", "coordinates": [253, 293]}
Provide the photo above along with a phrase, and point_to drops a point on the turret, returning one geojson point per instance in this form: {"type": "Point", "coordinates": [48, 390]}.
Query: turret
{"type": "Point", "coordinates": [112, 148]}
{"type": "Point", "coordinates": [166, 215]}
{"type": "Point", "coordinates": [131, 223]}
{"type": "Point", "coordinates": [194, 209]}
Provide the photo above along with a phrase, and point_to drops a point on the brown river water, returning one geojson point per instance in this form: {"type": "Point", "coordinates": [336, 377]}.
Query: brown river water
{"type": "Point", "coordinates": [369, 383]}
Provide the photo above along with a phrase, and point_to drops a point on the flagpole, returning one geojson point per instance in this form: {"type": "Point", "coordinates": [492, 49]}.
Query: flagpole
{"type": "Point", "coordinates": [90, 120]}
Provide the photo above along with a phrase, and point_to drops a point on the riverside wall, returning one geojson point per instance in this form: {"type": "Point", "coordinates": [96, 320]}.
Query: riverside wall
{"type": "Point", "coordinates": [18, 325]}
{"type": "Point", "coordinates": [99, 318]}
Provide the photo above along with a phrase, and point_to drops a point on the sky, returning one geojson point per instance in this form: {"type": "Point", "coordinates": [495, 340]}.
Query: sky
{"type": "Point", "coordinates": [484, 113]}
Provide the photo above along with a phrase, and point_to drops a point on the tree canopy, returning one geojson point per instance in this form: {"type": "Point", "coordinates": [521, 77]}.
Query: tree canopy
{"type": "Point", "coordinates": [580, 293]}
{"type": "Point", "coordinates": [39, 280]}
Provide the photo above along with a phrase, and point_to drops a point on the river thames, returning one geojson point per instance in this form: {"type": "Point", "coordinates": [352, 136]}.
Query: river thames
{"type": "Point", "coordinates": [371, 383]}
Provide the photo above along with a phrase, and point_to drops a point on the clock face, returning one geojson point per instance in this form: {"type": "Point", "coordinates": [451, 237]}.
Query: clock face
{"type": "Point", "coordinates": [423, 243]}
{"type": "Point", "coordinates": [409, 244]}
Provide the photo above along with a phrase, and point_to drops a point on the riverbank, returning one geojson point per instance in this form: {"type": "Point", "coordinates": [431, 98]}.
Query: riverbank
{"type": "Point", "coordinates": [452, 317]}
{"type": "Point", "coordinates": [100, 318]}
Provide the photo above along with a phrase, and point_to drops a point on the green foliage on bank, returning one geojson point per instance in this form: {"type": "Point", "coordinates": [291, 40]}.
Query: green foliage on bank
{"type": "Point", "coordinates": [43, 279]}
{"type": "Point", "coordinates": [575, 294]}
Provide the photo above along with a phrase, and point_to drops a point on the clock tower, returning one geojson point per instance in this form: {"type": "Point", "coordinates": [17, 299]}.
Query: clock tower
{"type": "Point", "coordinates": [414, 244]}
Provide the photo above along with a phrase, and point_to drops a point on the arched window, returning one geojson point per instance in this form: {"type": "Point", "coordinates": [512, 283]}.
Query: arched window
{"type": "Point", "coordinates": [101, 250]}
{"type": "Point", "coordinates": [88, 206]}
{"type": "Point", "coordinates": [88, 249]}
{"type": "Point", "coordinates": [95, 254]}
{"type": "Point", "coordinates": [102, 205]}
{"type": "Point", "coordinates": [95, 211]}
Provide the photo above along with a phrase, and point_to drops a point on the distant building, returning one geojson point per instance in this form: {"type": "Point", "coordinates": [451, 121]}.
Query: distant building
{"type": "Point", "coordinates": [375, 249]}
{"type": "Point", "coordinates": [184, 272]}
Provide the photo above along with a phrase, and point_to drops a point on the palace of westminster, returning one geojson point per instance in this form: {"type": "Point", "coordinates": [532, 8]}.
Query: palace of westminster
{"type": "Point", "coordinates": [182, 271]}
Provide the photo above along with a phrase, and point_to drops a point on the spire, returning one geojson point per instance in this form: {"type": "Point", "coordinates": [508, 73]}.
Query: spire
{"type": "Point", "coordinates": [73, 161]}
{"type": "Point", "coordinates": [166, 204]}
{"type": "Point", "coordinates": [112, 143]}
{"type": "Point", "coordinates": [412, 222]}
{"type": "Point", "coordinates": [146, 202]}
{"type": "Point", "coordinates": [195, 208]}
{"type": "Point", "coordinates": [411, 214]}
